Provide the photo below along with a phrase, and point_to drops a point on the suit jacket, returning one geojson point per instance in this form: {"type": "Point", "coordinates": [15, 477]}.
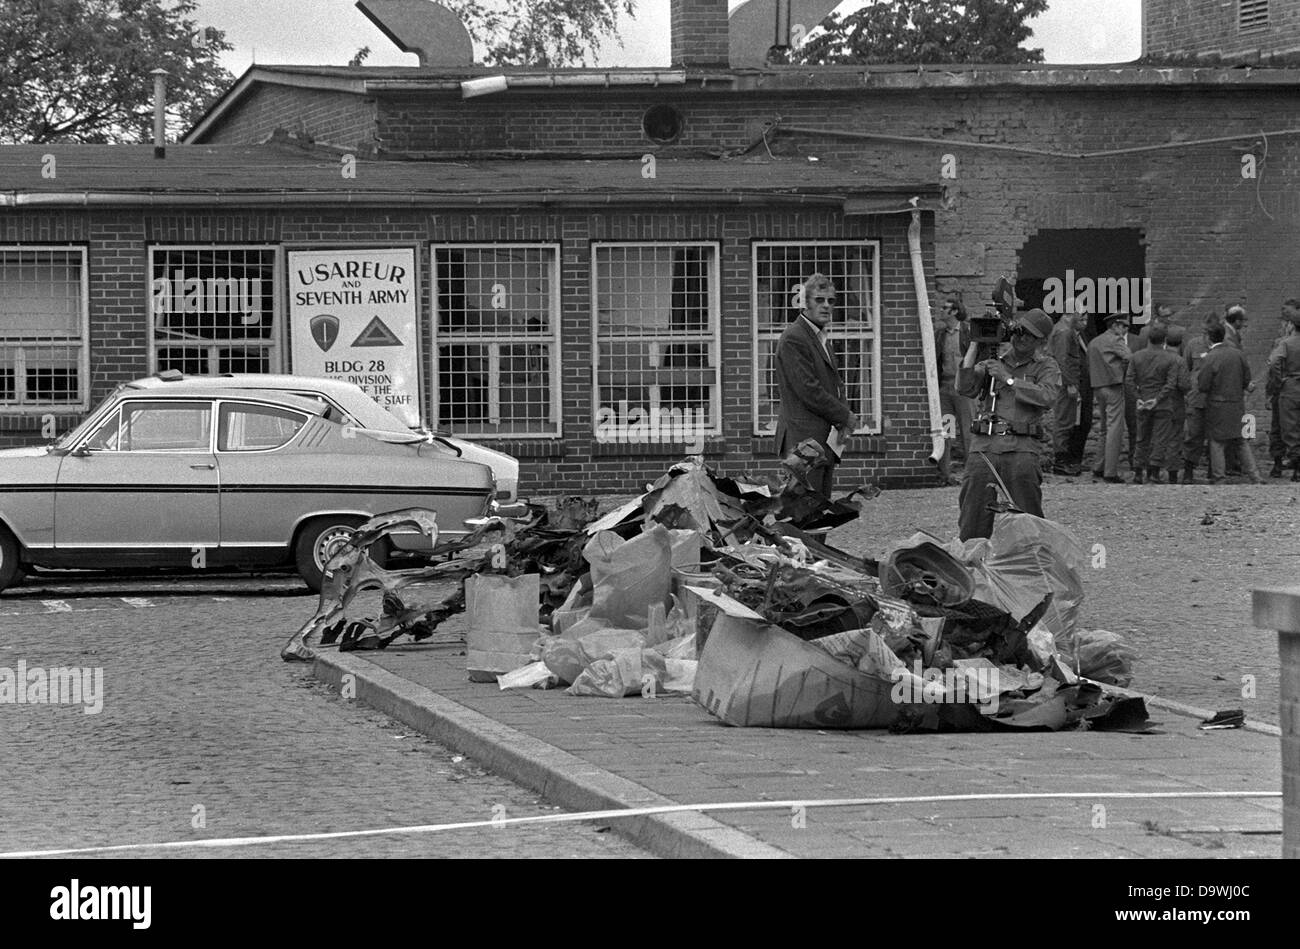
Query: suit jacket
{"type": "Point", "coordinates": [808, 380]}
{"type": "Point", "coordinates": [1224, 377]}
{"type": "Point", "coordinates": [1108, 358]}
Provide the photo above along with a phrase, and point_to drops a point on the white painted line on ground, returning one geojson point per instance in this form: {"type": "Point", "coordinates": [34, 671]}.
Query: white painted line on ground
{"type": "Point", "coordinates": [57, 606]}
{"type": "Point", "coordinates": [646, 812]}
{"type": "Point", "coordinates": [139, 602]}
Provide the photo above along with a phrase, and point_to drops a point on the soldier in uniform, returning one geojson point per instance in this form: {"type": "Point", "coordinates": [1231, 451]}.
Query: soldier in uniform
{"type": "Point", "coordinates": [1066, 346]}
{"type": "Point", "coordinates": [1284, 377]}
{"type": "Point", "coordinates": [1178, 421]}
{"type": "Point", "coordinates": [1194, 351]}
{"type": "Point", "coordinates": [1108, 359]}
{"type": "Point", "coordinates": [1014, 389]}
{"type": "Point", "coordinates": [1276, 445]}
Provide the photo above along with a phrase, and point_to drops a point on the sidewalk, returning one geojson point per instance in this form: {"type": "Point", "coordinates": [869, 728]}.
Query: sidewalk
{"type": "Point", "coordinates": [592, 754]}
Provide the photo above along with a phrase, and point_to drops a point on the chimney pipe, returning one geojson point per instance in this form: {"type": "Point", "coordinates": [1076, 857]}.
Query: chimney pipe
{"type": "Point", "coordinates": [159, 113]}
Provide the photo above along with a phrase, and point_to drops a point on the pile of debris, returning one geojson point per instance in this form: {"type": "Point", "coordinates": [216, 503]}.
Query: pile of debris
{"type": "Point", "coordinates": [726, 590]}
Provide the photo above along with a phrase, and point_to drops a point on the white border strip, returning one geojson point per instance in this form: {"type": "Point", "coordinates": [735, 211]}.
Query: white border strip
{"type": "Point", "coordinates": [640, 812]}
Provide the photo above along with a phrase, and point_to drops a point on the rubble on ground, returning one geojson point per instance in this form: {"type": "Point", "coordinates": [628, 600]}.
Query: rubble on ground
{"type": "Point", "coordinates": [725, 589]}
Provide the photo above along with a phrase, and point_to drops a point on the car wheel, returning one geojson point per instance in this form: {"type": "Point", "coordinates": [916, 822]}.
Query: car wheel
{"type": "Point", "coordinates": [319, 541]}
{"type": "Point", "coordinates": [9, 573]}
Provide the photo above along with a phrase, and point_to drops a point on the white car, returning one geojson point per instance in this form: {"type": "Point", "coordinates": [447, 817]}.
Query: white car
{"type": "Point", "coordinates": [354, 408]}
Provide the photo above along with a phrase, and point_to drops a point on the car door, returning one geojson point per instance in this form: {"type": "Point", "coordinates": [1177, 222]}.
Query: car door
{"type": "Point", "coordinates": [145, 478]}
{"type": "Point", "coordinates": [265, 489]}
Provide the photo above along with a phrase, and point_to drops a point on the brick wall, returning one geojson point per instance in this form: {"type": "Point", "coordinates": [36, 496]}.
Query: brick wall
{"type": "Point", "coordinates": [118, 254]}
{"type": "Point", "coordinates": [1212, 27]}
{"type": "Point", "coordinates": [698, 34]}
{"type": "Point", "coordinates": [329, 117]}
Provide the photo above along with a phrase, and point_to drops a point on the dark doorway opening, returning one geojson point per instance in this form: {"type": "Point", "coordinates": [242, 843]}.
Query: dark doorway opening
{"type": "Point", "coordinates": [1111, 262]}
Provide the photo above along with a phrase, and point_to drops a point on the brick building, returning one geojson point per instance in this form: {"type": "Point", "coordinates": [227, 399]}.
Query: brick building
{"type": "Point", "coordinates": [1232, 30]}
{"type": "Point", "coordinates": [593, 242]}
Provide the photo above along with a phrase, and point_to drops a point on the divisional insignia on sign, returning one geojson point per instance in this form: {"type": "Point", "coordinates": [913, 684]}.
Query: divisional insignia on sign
{"type": "Point", "coordinates": [325, 330]}
{"type": "Point", "coordinates": [377, 334]}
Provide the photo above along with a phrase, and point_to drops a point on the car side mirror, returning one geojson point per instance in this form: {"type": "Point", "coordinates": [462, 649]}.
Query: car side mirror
{"type": "Point", "coordinates": [80, 452]}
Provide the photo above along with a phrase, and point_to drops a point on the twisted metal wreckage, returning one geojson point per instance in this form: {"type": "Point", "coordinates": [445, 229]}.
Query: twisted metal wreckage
{"type": "Point", "coordinates": [782, 629]}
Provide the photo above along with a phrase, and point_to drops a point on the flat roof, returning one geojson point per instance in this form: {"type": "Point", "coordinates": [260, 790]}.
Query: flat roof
{"type": "Point", "coordinates": [276, 173]}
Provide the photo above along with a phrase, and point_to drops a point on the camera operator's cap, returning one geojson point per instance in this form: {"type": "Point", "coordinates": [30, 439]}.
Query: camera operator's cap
{"type": "Point", "coordinates": [1037, 322]}
{"type": "Point", "coordinates": [1116, 317]}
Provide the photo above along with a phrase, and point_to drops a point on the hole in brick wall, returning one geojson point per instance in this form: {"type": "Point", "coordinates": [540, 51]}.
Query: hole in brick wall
{"type": "Point", "coordinates": [662, 123]}
{"type": "Point", "coordinates": [1111, 260]}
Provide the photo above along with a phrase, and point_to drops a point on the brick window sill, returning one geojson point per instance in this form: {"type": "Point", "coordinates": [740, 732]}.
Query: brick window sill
{"type": "Point", "coordinates": [526, 447]}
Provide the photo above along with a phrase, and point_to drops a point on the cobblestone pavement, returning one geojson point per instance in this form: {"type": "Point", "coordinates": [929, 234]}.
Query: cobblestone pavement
{"type": "Point", "coordinates": [1177, 588]}
{"type": "Point", "coordinates": [200, 712]}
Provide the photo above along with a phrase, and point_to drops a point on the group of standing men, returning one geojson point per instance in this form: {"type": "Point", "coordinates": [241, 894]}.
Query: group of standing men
{"type": "Point", "coordinates": [1174, 398]}
{"type": "Point", "coordinates": [1169, 396]}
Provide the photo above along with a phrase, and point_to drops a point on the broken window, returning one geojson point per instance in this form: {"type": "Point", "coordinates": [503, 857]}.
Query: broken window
{"type": "Point", "coordinates": [780, 268]}
{"type": "Point", "coordinates": [43, 337]}
{"type": "Point", "coordinates": [656, 313]}
{"type": "Point", "coordinates": [496, 339]}
{"type": "Point", "coordinates": [214, 309]}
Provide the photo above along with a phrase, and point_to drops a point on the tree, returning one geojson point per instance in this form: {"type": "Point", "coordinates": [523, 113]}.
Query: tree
{"type": "Point", "coordinates": [541, 33]}
{"type": "Point", "coordinates": [926, 31]}
{"type": "Point", "coordinates": [79, 70]}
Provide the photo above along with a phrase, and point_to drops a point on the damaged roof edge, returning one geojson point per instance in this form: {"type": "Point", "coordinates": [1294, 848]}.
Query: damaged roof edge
{"type": "Point", "coordinates": [379, 81]}
{"type": "Point", "coordinates": [856, 203]}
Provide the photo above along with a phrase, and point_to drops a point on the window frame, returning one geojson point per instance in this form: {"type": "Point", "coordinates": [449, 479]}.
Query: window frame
{"type": "Point", "coordinates": [82, 341]}
{"type": "Point", "coordinates": [117, 411]}
{"type": "Point", "coordinates": [876, 422]}
{"type": "Point", "coordinates": [715, 320]}
{"type": "Point", "coordinates": [235, 404]}
{"type": "Point", "coordinates": [275, 342]}
{"type": "Point", "coordinates": [556, 377]}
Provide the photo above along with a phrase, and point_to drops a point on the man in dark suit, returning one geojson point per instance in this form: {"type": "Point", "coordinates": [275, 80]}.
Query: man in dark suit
{"type": "Point", "coordinates": [1225, 380]}
{"type": "Point", "coordinates": [808, 379]}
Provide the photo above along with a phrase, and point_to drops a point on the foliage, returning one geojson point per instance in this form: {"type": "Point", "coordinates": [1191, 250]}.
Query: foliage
{"type": "Point", "coordinates": [541, 33]}
{"type": "Point", "coordinates": [79, 70]}
{"type": "Point", "coordinates": [926, 31]}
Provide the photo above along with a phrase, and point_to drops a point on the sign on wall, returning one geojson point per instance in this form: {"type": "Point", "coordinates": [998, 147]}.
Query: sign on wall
{"type": "Point", "coordinates": [352, 316]}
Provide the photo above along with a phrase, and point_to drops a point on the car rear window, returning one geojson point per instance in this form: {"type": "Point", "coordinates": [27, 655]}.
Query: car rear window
{"type": "Point", "coordinates": [248, 427]}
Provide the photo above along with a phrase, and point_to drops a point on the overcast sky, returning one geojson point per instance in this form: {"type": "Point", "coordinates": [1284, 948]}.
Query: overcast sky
{"type": "Point", "coordinates": [329, 32]}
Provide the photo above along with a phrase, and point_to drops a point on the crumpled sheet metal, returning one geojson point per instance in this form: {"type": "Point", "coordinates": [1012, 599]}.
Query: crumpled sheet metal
{"type": "Point", "coordinates": [414, 599]}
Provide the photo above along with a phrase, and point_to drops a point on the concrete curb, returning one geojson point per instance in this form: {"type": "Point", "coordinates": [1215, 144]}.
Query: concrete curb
{"type": "Point", "coordinates": [1200, 714]}
{"type": "Point", "coordinates": [559, 776]}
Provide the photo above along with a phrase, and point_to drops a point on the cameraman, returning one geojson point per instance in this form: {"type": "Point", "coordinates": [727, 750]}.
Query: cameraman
{"type": "Point", "coordinates": [1024, 385]}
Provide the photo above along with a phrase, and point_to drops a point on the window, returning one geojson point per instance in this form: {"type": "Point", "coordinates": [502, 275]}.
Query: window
{"type": "Point", "coordinates": [657, 340]}
{"type": "Point", "coordinates": [1252, 15]}
{"type": "Point", "coordinates": [496, 339]}
{"type": "Point", "coordinates": [214, 309]}
{"type": "Point", "coordinates": [155, 426]}
{"type": "Point", "coordinates": [244, 427]}
{"type": "Point", "coordinates": [43, 305]}
{"type": "Point", "coordinates": [779, 269]}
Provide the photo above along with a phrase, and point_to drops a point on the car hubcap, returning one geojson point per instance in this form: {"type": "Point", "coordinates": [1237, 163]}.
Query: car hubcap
{"type": "Point", "coordinates": [329, 542]}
